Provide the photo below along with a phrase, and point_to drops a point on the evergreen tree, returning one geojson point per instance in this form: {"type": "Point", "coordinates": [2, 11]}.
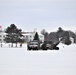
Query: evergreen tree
{"type": "Point", "coordinates": [13, 35]}
{"type": "Point", "coordinates": [36, 37]}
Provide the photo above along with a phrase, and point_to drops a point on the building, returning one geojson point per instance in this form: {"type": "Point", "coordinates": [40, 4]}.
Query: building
{"type": "Point", "coordinates": [29, 36]}
{"type": "Point", "coordinates": [2, 35]}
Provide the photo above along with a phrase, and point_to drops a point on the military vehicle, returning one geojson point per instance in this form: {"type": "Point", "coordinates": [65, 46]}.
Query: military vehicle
{"type": "Point", "coordinates": [50, 45]}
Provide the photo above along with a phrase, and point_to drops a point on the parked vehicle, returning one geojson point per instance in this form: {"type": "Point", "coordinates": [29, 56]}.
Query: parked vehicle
{"type": "Point", "coordinates": [34, 45]}
{"type": "Point", "coordinates": [49, 45]}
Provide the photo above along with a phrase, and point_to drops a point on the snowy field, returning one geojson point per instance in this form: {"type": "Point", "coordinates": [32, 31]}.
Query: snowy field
{"type": "Point", "coordinates": [19, 61]}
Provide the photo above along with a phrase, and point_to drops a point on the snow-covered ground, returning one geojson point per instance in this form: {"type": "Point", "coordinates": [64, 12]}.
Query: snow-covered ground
{"type": "Point", "coordinates": [19, 61]}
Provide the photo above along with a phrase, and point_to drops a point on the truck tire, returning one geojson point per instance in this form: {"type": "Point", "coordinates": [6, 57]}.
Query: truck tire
{"type": "Point", "coordinates": [56, 48]}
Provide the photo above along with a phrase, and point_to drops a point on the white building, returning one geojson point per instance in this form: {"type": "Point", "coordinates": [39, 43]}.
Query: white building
{"type": "Point", "coordinates": [2, 35]}
{"type": "Point", "coordinates": [29, 36]}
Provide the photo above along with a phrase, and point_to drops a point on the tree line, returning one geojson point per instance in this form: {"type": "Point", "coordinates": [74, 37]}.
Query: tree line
{"type": "Point", "coordinates": [14, 35]}
{"type": "Point", "coordinates": [59, 34]}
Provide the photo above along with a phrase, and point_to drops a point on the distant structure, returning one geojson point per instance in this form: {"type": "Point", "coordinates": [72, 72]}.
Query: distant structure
{"type": "Point", "coordinates": [2, 35]}
{"type": "Point", "coordinates": [29, 36]}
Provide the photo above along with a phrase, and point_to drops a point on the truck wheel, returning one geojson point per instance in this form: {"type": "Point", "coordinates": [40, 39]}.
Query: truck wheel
{"type": "Point", "coordinates": [29, 48]}
{"type": "Point", "coordinates": [56, 48]}
{"type": "Point", "coordinates": [44, 49]}
{"type": "Point", "coordinates": [36, 48]}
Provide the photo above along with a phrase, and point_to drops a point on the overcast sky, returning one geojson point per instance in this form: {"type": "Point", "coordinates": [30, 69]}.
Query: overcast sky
{"type": "Point", "coordinates": [40, 14]}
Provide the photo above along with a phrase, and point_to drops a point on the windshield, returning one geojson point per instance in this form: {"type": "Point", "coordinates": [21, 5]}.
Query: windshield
{"type": "Point", "coordinates": [36, 43]}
